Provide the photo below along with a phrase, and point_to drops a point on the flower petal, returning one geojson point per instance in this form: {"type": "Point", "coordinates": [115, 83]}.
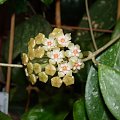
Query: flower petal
{"type": "Point", "coordinates": [61, 74]}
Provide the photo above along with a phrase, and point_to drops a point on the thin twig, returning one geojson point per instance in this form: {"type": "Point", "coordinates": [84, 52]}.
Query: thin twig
{"type": "Point", "coordinates": [94, 54]}
{"type": "Point", "coordinates": [11, 65]}
{"type": "Point", "coordinates": [90, 25]}
{"type": "Point", "coordinates": [58, 14]}
{"type": "Point", "coordinates": [31, 7]}
{"type": "Point", "coordinates": [10, 52]}
{"type": "Point", "coordinates": [118, 10]}
{"type": "Point", "coordinates": [82, 28]}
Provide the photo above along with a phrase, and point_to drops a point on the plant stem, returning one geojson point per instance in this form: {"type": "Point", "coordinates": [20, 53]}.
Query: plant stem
{"type": "Point", "coordinates": [82, 28]}
{"type": "Point", "coordinates": [90, 25]}
{"type": "Point", "coordinates": [12, 27]}
{"type": "Point", "coordinates": [58, 14]}
{"type": "Point", "coordinates": [10, 65]}
{"type": "Point", "coordinates": [94, 54]}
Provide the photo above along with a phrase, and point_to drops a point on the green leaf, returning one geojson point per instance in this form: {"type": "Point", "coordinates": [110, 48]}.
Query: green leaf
{"type": "Point", "coordinates": [111, 58]}
{"type": "Point", "coordinates": [47, 2]}
{"type": "Point", "coordinates": [2, 1]}
{"type": "Point", "coordinates": [103, 16]}
{"type": "Point", "coordinates": [109, 80]}
{"type": "Point", "coordinates": [23, 33]}
{"type": "Point", "coordinates": [4, 116]}
{"type": "Point", "coordinates": [96, 109]}
{"type": "Point", "coordinates": [79, 112]}
{"type": "Point", "coordinates": [43, 113]}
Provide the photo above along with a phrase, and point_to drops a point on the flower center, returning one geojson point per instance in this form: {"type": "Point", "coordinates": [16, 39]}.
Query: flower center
{"type": "Point", "coordinates": [55, 56]}
{"type": "Point", "coordinates": [76, 65]}
{"type": "Point", "coordinates": [75, 51]}
{"type": "Point", "coordinates": [62, 40]}
{"type": "Point", "coordinates": [64, 68]}
{"type": "Point", "coordinates": [49, 43]}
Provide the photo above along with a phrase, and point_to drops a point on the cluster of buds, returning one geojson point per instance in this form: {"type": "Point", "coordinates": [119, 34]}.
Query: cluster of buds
{"type": "Point", "coordinates": [55, 58]}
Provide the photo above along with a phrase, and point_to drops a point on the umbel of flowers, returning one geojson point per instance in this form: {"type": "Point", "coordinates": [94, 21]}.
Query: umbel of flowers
{"type": "Point", "coordinates": [54, 58]}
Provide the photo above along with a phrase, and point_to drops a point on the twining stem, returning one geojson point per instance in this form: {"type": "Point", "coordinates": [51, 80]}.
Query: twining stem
{"type": "Point", "coordinates": [90, 25]}
{"type": "Point", "coordinates": [94, 54]}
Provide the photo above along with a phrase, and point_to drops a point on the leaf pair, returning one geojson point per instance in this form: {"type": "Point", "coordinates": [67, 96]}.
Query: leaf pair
{"type": "Point", "coordinates": [105, 83]}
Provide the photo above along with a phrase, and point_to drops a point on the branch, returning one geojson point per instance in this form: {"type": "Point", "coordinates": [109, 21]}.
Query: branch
{"type": "Point", "coordinates": [94, 54]}
{"type": "Point", "coordinates": [90, 25]}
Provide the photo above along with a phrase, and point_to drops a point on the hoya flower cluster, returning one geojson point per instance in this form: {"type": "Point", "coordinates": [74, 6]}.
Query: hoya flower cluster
{"type": "Point", "coordinates": [55, 58]}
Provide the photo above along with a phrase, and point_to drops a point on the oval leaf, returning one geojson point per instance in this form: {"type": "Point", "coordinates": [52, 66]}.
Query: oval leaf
{"type": "Point", "coordinates": [43, 113]}
{"type": "Point", "coordinates": [109, 80]}
{"type": "Point", "coordinates": [94, 103]}
{"type": "Point", "coordinates": [79, 112]}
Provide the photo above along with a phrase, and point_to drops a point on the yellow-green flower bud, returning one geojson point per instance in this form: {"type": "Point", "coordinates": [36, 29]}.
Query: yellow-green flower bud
{"type": "Point", "coordinates": [37, 68]}
{"type": "Point", "coordinates": [24, 59]}
{"type": "Point", "coordinates": [31, 54]}
{"type": "Point", "coordinates": [32, 79]}
{"type": "Point", "coordinates": [56, 82]}
{"type": "Point", "coordinates": [50, 69]}
{"type": "Point", "coordinates": [31, 43]}
{"type": "Point", "coordinates": [39, 38]}
{"type": "Point", "coordinates": [39, 52]}
{"type": "Point", "coordinates": [68, 80]}
{"type": "Point", "coordinates": [30, 68]}
{"type": "Point", "coordinates": [43, 77]}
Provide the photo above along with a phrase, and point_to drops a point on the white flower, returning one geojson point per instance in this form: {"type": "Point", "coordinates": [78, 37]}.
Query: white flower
{"type": "Point", "coordinates": [74, 50]}
{"type": "Point", "coordinates": [64, 69]}
{"type": "Point", "coordinates": [56, 55]}
{"type": "Point", "coordinates": [49, 43]}
{"type": "Point", "coordinates": [76, 63]}
{"type": "Point", "coordinates": [64, 40]}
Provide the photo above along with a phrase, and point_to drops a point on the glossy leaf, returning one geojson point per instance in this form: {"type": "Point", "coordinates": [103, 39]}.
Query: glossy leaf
{"type": "Point", "coordinates": [110, 84]}
{"type": "Point", "coordinates": [43, 113]}
{"type": "Point", "coordinates": [4, 116]}
{"type": "Point", "coordinates": [110, 58]}
{"type": "Point", "coordinates": [96, 109]}
{"type": "Point", "coordinates": [24, 31]}
{"type": "Point", "coordinates": [79, 112]}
